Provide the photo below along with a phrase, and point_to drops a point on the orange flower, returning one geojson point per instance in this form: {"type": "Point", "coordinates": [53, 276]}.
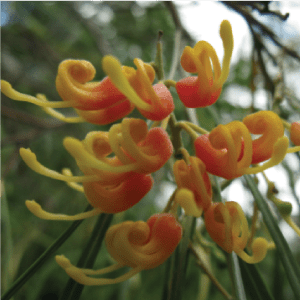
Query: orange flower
{"type": "Point", "coordinates": [133, 143]}
{"type": "Point", "coordinates": [136, 150]}
{"type": "Point", "coordinates": [139, 245]}
{"type": "Point", "coordinates": [220, 150]}
{"type": "Point", "coordinates": [228, 227]}
{"type": "Point", "coordinates": [227, 151]}
{"type": "Point", "coordinates": [93, 158]}
{"type": "Point", "coordinates": [104, 198]}
{"type": "Point", "coordinates": [194, 178]}
{"type": "Point", "coordinates": [205, 88]}
{"type": "Point", "coordinates": [153, 102]}
{"type": "Point", "coordinates": [99, 103]}
{"type": "Point", "coordinates": [73, 85]}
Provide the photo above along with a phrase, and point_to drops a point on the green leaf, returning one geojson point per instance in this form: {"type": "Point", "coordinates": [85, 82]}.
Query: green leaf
{"type": "Point", "coordinates": [74, 289]}
{"type": "Point", "coordinates": [181, 259]}
{"type": "Point", "coordinates": [289, 263]}
{"type": "Point", "coordinates": [236, 278]}
{"type": "Point", "coordinates": [255, 284]}
{"type": "Point", "coordinates": [41, 260]}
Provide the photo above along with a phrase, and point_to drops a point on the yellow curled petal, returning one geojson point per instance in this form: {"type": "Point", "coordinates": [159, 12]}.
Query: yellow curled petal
{"type": "Point", "coordinates": [279, 152]}
{"type": "Point", "coordinates": [227, 39]}
{"type": "Point", "coordinates": [83, 157]}
{"type": "Point", "coordinates": [37, 210]}
{"type": "Point", "coordinates": [240, 229]}
{"type": "Point", "coordinates": [185, 198]}
{"type": "Point", "coordinates": [187, 60]}
{"type": "Point", "coordinates": [80, 277]}
{"type": "Point", "coordinates": [259, 251]}
{"type": "Point", "coordinates": [113, 69]}
{"type": "Point", "coordinates": [9, 92]}
{"type": "Point", "coordinates": [30, 159]}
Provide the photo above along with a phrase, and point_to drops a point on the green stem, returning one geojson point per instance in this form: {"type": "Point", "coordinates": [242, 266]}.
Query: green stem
{"type": "Point", "coordinates": [41, 260]}
{"type": "Point", "coordinates": [158, 62]}
{"type": "Point", "coordinates": [73, 289]}
{"type": "Point", "coordinates": [217, 190]}
{"type": "Point", "coordinates": [175, 137]}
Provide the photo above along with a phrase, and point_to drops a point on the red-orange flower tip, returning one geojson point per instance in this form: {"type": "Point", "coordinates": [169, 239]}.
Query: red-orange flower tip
{"type": "Point", "coordinates": [205, 88]}
{"type": "Point", "coordinates": [144, 245]}
{"type": "Point", "coordinates": [114, 198]}
{"type": "Point", "coordinates": [73, 84]}
{"type": "Point", "coordinates": [154, 102]}
{"type": "Point", "coordinates": [295, 133]}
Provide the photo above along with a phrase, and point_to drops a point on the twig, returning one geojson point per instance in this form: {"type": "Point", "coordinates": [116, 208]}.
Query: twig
{"type": "Point", "coordinates": [209, 274]}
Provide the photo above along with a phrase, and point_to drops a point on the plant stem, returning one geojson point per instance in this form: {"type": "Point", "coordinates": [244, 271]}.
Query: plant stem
{"type": "Point", "coordinates": [158, 63]}
{"type": "Point", "coordinates": [175, 137]}
{"type": "Point", "coordinates": [209, 274]}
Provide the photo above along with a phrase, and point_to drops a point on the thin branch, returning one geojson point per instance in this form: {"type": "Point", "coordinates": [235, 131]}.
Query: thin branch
{"type": "Point", "coordinates": [264, 30]}
{"type": "Point", "coordinates": [209, 274]}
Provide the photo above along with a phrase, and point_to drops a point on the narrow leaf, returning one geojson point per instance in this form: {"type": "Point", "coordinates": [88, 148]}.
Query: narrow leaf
{"type": "Point", "coordinates": [256, 285]}
{"type": "Point", "coordinates": [289, 263]}
{"type": "Point", "coordinates": [41, 260]}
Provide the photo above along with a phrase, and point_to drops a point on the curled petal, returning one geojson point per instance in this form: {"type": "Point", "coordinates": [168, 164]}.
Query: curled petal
{"type": "Point", "coordinates": [37, 210]}
{"type": "Point", "coordinates": [194, 178]}
{"type": "Point", "coordinates": [119, 197]}
{"type": "Point", "coordinates": [205, 88]}
{"type": "Point", "coordinates": [221, 150]}
{"type": "Point", "coordinates": [11, 93]}
{"type": "Point", "coordinates": [133, 143]}
{"type": "Point", "coordinates": [164, 104]}
{"type": "Point", "coordinates": [145, 245]}
{"type": "Point", "coordinates": [295, 133]}
{"type": "Point", "coordinates": [279, 151]}
{"type": "Point", "coordinates": [218, 224]}
{"type": "Point", "coordinates": [30, 159]}
{"type": "Point", "coordinates": [259, 251]}
{"type": "Point", "coordinates": [91, 157]}
{"type": "Point", "coordinates": [154, 103]}
{"type": "Point", "coordinates": [139, 245]}
{"type": "Point", "coordinates": [72, 84]}
{"type": "Point", "coordinates": [270, 126]}
{"type": "Point", "coordinates": [186, 199]}
{"type": "Point", "coordinates": [227, 226]}
{"type": "Point", "coordinates": [109, 114]}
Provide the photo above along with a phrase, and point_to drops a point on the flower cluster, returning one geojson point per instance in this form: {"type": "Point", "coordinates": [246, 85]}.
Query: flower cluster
{"type": "Point", "coordinates": [117, 165]}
